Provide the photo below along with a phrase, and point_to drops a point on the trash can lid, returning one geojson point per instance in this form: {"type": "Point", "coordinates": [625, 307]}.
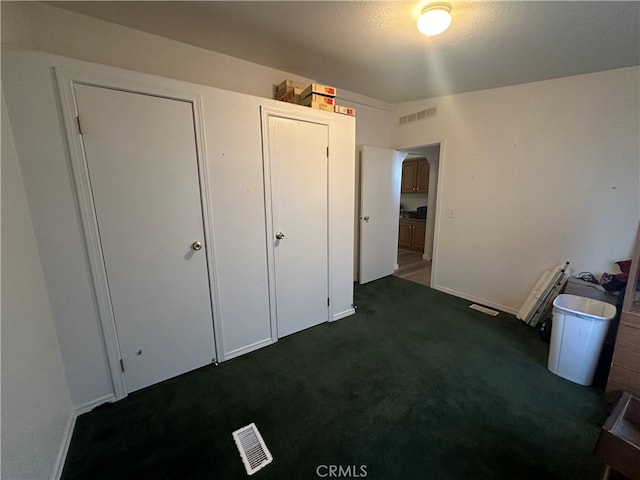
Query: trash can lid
{"type": "Point", "coordinates": [584, 307]}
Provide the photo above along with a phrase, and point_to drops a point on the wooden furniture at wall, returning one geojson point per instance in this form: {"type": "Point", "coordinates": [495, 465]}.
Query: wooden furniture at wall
{"type": "Point", "coordinates": [619, 441]}
{"type": "Point", "coordinates": [625, 366]}
{"type": "Point", "coordinates": [415, 176]}
{"type": "Point", "coordinates": [411, 233]}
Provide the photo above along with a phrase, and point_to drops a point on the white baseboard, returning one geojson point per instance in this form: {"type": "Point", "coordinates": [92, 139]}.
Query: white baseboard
{"type": "Point", "coordinates": [346, 313]}
{"type": "Point", "coordinates": [87, 407]}
{"type": "Point", "coordinates": [68, 432]}
{"type": "Point", "coordinates": [249, 348]}
{"type": "Point", "coordinates": [64, 446]}
{"type": "Point", "coordinates": [481, 301]}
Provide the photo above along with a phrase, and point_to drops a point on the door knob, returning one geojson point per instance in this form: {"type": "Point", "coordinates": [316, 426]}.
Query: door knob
{"type": "Point", "coordinates": [196, 245]}
{"type": "Point", "coordinates": [279, 235]}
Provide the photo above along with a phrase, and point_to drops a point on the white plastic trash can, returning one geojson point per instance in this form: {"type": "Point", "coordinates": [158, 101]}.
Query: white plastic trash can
{"type": "Point", "coordinates": [577, 334]}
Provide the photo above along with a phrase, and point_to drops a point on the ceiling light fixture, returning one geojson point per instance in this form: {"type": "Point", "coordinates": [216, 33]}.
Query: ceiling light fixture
{"type": "Point", "coordinates": [435, 18]}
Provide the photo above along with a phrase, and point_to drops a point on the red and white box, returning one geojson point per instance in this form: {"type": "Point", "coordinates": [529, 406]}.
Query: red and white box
{"type": "Point", "coordinates": [320, 89]}
{"type": "Point", "coordinates": [321, 106]}
{"type": "Point", "coordinates": [344, 110]}
{"type": "Point", "coordinates": [315, 98]}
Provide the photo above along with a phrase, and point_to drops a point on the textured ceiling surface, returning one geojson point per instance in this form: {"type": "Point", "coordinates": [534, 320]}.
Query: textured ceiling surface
{"type": "Point", "coordinates": [373, 47]}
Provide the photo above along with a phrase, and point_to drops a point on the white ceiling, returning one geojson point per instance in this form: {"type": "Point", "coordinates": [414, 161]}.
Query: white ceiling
{"type": "Point", "coordinates": [373, 47]}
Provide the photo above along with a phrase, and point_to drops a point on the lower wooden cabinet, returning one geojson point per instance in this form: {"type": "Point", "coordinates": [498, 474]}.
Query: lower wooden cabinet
{"type": "Point", "coordinates": [411, 233]}
{"type": "Point", "coordinates": [624, 375]}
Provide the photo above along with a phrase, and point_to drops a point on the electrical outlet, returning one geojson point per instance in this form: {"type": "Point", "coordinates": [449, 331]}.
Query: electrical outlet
{"type": "Point", "coordinates": [452, 212]}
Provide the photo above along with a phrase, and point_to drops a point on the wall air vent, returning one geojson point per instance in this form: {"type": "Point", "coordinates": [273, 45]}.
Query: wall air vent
{"type": "Point", "coordinates": [421, 115]}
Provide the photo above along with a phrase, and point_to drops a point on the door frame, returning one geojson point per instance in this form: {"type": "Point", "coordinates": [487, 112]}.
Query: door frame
{"type": "Point", "coordinates": [265, 113]}
{"type": "Point", "coordinates": [438, 202]}
{"type": "Point", "coordinates": [115, 79]}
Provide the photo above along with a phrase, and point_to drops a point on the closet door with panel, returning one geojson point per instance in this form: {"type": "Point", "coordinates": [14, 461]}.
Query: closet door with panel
{"type": "Point", "coordinates": [296, 157]}
{"type": "Point", "coordinates": [141, 157]}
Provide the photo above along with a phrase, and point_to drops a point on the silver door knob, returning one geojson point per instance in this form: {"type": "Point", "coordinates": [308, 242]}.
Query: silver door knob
{"type": "Point", "coordinates": [196, 246]}
{"type": "Point", "coordinates": [279, 235]}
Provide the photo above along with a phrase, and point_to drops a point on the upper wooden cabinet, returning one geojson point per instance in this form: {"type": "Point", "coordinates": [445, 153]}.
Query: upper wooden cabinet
{"type": "Point", "coordinates": [415, 176]}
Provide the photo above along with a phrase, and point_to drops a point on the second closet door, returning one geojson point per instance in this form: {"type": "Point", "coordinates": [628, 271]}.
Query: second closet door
{"type": "Point", "coordinates": [298, 154]}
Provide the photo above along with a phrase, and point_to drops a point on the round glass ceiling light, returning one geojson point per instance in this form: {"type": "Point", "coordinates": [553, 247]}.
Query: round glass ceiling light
{"type": "Point", "coordinates": [435, 18]}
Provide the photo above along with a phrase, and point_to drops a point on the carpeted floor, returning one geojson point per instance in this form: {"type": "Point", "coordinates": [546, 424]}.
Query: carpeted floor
{"type": "Point", "coordinates": [414, 386]}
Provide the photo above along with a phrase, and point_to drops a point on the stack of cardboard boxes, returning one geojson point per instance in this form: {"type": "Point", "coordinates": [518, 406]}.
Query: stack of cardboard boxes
{"type": "Point", "coordinates": [289, 91]}
{"type": "Point", "coordinates": [320, 97]}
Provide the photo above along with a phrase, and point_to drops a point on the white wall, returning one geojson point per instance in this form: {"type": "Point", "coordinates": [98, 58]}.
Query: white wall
{"type": "Point", "coordinates": [41, 27]}
{"type": "Point", "coordinates": [232, 135]}
{"type": "Point", "coordinates": [36, 410]}
{"type": "Point", "coordinates": [32, 106]}
{"type": "Point", "coordinates": [374, 117]}
{"type": "Point", "coordinates": [537, 173]}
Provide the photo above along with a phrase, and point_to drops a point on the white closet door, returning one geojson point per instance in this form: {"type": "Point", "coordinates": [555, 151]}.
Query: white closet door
{"type": "Point", "coordinates": [142, 162]}
{"type": "Point", "coordinates": [298, 159]}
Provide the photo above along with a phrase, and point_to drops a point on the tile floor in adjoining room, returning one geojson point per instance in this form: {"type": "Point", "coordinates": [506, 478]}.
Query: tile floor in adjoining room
{"type": "Point", "coordinates": [413, 267]}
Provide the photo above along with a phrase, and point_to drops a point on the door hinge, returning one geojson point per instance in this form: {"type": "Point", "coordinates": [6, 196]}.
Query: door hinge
{"type": "Point", "coordinates": [79, 125]}
{"type": "Point", "coordinates": [328, 301]}
{"type": "Point", "coordinates": [327, 152]}
{"type": "Point", "coordinates": [122, 365]}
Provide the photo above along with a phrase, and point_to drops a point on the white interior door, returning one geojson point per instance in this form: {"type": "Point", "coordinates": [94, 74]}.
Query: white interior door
{"type": "Point", "coordinates": [142, 162]}
{"type": "Point", "coordinates": [380, 176]}
{"type": "Point", "coordinates": [297, 155]}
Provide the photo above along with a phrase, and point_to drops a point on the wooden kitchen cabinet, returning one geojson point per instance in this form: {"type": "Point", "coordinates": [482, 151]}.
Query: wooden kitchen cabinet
{"type": "Point", "coordinates": [409, 176]}
{"type": "Point", "coordinates": [404, 234]}
{"type": "Point", "coordinates": [624, 375]}
{"type": "Point", "coordinates": [422, 183]}
{"type": "Point", "coordinates": [411, 233]}
{"type": "Point", "coordinates": [415, 176]}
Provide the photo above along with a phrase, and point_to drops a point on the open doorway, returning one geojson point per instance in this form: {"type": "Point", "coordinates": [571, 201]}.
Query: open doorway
{"type": "Point", "coordinates": [378, 218]}
{"type": "Point", "coordinates": [416, 225]}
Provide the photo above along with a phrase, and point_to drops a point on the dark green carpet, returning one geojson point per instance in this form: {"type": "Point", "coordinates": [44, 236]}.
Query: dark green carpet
{"type": "Point", "coordinates": [414, 386]}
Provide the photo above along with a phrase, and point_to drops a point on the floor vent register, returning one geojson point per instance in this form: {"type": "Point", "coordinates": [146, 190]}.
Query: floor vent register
{"type": "Point", "coordinates": [253, 451]}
